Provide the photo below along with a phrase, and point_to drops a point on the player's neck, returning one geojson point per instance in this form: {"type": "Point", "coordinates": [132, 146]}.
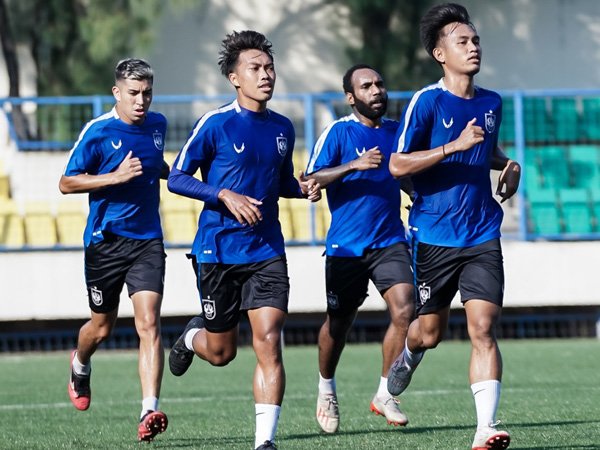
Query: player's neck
{"type": "Point", "coordinates": [461, 85]}
{"type": "Point", "coordinates": [371, 123]}
{"type": "Point", "coordinates": [251, 105]}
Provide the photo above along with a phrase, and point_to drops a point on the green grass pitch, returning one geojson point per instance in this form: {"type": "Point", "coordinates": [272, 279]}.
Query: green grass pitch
{"type": "Point", "coordinates": [550, 400]}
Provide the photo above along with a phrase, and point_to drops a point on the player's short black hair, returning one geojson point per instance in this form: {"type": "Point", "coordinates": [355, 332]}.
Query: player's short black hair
{"type": "Point", "coordinates": [134, 69]}
{"type": "Point", "coordinates": [237, 42]}
{"type": "Point", "coordinates": [437, 18]}
{"type": "Point", "coordinates": [347, 80]}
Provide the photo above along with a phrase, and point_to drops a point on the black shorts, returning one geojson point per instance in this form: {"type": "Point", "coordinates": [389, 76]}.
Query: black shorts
{"type": "Point", "coordinates": [227, 289]}
{"type": "Point", "coordinates": [117, 260]}
{"type": "Point", "coordinates": [347, 279]}
{"type": "Point", "coordinates": [476, 272]}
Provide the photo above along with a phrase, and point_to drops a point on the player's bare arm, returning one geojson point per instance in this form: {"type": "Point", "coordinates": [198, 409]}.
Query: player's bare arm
{"type": "Point", "coordinates": [371, 159]}
{"type": "Point", "coordinates": [311, 189]}
{"type": "Point", "coordinates": [130, 167]}
{"type": "Point", "coordinates": [406, 164]}
{"type": "Point", "coordinates": [164, 171]}
{"type": "Point", "coordinates": [244, 208]}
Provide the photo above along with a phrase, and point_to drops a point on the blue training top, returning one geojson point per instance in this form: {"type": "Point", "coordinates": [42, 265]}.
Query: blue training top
{"type": "Point", "coordinates": [129, 209]}
{"type": "Point", "coordinates": [453, 206]}
{"type": "Point", "coordinates": [365, 205]}
{"type": "Point", "coordinates": [250, 154]}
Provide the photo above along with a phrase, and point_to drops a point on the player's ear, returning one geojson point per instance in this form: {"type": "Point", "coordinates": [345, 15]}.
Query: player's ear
{"type": "Point", "coordinates": [116, 92]}
{"type": "Point", "coordinates": [438, 55]}
{"type": "Point", "coordinates": [350, 98]}
{"type": "Point", "coordinates": [233, 79]}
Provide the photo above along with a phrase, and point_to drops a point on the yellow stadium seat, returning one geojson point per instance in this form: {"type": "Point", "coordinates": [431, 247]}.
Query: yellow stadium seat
{"type": "Point", "coordinates": [323, 218]}
{"type": "Point", "coordinates": [71, 218]}
{"type": "Point", "coordinates": [40, 225]}
{"type": "Point", "coordinates": [4, 186]}
{"type": "Point", "coordinates": [179, 219]}
{"type": "Point", "coordinates": [12, 234]}
{"type": "Point", "coordinates": [285, 218]}
{"type": "Point", "coordinates": [301, 222]}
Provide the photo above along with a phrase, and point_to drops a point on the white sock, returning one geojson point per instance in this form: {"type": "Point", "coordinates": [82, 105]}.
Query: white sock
{"type": "Point", "coordinates": [412, 359]}
{"type": "Point", "coordinates": [486, 395]}
{"type": "Point", "coordinates": [382, 391]}
{"type": "Point", "coordinates": [267, 417]}
{"type": "Point", "coordinates": [149, 404]}
{"type": "Point", "coordinates": [189, 337]}
{"type": "Point", "coordinates": [326, 385]}
{"type": "Point", "coordinates": [81, 369]}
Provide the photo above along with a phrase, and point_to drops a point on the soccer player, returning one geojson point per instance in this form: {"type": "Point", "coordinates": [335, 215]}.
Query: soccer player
{"type": "Point", "coordinates": [447, 143]}
{"type": "Point", "coordinates": [118, 160]}
{"type": "Point", "coordinates": [244, 153]}
{"type": "Point", "coordinates": [366, 239]}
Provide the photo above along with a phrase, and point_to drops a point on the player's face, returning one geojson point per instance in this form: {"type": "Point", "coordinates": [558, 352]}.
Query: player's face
{"type": "Point", "coordinates": [370, 95]}
{"type": "Point", "coordinates": [254, 79]}
{"type": "Point", "coordinates": [133, 100]}
{"type": "Point", "coordinates": [459, 49]}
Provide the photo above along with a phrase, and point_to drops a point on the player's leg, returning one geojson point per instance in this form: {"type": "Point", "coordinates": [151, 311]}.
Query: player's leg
{"type": "Point", "coordinates": [482, 290]}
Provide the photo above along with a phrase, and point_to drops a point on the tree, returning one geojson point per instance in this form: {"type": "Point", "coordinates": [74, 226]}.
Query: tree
{"type": "Point", "coordinates": [75, 44]}
{"type": "Point", "coordinates": [390, 40]}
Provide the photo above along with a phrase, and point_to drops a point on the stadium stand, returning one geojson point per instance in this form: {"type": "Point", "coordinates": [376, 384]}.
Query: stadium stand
{"type": "Point", "coordinates": [40, 225]}
{"type": "Point", "coordinates": [577, 215]}
{"type": "Point", "coordinates": [12, 233]}
{"type": "Point", "coordinates": [71, 216]}
{"type": "Point", "coordinates": [544, 214]}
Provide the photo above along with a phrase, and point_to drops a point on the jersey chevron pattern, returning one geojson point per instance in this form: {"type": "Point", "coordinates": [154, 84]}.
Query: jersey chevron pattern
{"type": "Point", "coordinates": [250, 154]}
{"type": "Point", "coordinates": [453, 206]}
{"type": "Point", "coordinates": [129, 209]}
{"type": "Point", "coordinates": [365, 205]}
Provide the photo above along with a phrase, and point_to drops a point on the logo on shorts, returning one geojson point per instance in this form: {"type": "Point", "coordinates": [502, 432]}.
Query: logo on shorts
{"type": "Point", "coordinates": [424, 293]}
{"type": "Point", "coordinates": [96, 295]}
{"type": "Point", "coordinates": [332, 301]}
{"type": "Point", "coordinates": [208, 306]}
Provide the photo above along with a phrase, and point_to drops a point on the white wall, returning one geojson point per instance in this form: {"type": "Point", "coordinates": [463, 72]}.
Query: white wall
{"type": "Point", "coordinates": [50, 285]}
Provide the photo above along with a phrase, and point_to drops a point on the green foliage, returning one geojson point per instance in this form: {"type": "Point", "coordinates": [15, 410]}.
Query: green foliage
{"type": "Point", "coordinates": [390, 40]}
{"type": "Point", "coordinates": [549, 400]}
{"type": "Point", "coordinates": [76, 44]}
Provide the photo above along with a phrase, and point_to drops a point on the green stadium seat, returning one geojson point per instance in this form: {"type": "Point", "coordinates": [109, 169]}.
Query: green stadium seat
{"type": "Point", "coordinates": [544, 212]}
{"type": "Point", "coordinates": [576, 212]}
{"type": "Point", "coordinates": [533, 174]}
{"type": "Point", "coordinates": [538, 127]}
{"type": "Point", "coordinates": [565, 117]}
{"type": "Point", "coordinates": [506, 134]}
{"type": "Point", "coordinates": [591, 118]}
{"type": "Point", "coordinates": [585, 166]}
{"type": "Point", "coordinates": [554, 166]}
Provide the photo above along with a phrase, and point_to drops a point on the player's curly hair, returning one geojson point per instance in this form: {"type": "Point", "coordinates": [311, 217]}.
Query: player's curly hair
{"type": "Point", "coordinates": [436, 19]}
{"type": "Point", "coordinates": [237, 42]}
{"type": "Point", "coordinates": [347, 80]}
{"type": "Point", "coordinates": [134, 69]}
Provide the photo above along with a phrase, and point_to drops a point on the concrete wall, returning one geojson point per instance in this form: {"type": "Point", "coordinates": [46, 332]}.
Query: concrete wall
{"type": "Point", "coordinates": [50, 285]}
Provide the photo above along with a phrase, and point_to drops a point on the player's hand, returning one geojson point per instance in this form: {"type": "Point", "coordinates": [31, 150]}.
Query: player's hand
{"type": "Point", "coordinates": [508, 181]}
{"type": "Point", "coordinates": [371, 159]}
{"type": "Point", "coordinates": [129, 168]}
{"type": "Point", "coordinates": [244, 208]}
{"type": "Point", "coordinates": [309, 187]}
{"type": "Point", "coordinates": [469, 137]}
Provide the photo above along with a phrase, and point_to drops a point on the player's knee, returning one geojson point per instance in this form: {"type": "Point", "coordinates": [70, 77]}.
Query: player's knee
{"type": "Point", "coordinates": [222, 358]}
{"type": "Point", "coordinates": [432, 340]}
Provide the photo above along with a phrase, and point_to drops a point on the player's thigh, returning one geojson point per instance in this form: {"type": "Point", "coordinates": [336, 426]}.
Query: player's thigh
{"type": "Point", "coordinates": [346, 283]}
{"type": "Point", "coordinates": [147, 271]}
{"type": "Point", "coordinates": [266, 285]}
{"type": "Point", "coordinates": [482, 276]}
{"type": "Point", "coordinates": [106, 265]}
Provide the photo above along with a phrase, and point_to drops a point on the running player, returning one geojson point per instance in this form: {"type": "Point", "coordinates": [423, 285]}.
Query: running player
{"type": "Point", "coordinates": [366, 239]}
{"type": "Point", "coordinates": [118, 160]}
{"type": "Point", "coordinates": [447, 143]}
{"type": "Point", "coordinates": [244, 153]}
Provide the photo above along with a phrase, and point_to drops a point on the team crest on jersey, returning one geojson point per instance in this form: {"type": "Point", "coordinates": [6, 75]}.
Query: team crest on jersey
{"type": "Point", "coordinates": [490, 121]}
{"type": "Point", "coordinates": [424, 293]}
{"type": "Point", "coordinates": [208, 306]}
{"type": "Point", "coordinates": [282, 144]}
{"type": "Point", "coordinates": [332, 301]}
{"type": "Point", "coordinates": [158, 140]}
{"type": "Point", "coordinates": [96, 295]}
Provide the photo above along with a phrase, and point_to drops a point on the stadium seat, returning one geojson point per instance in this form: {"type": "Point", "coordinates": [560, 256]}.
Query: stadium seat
{"type": "Point", "coordinates": [71, 217]}
{"type": "Point", "coordinates": [544, 213]}
{"type": "Point", "coordinates": [12, 234]}
{"type": "Point", "coordinates": [301, 220]}
{"type": "Point", "coordinates": [40, 225]}
{"type": "Point", "coordinates": [533, 175]}
{"type": "Point", "coordinates": [585, 166]}
{"type": "Point", "coordinates": [565, 117]}
{"type": "Point", "coordinates": [322, 218]}
{"type": "Point", "coordinates": [576, 211]}
{"type": "Point", "coordinates": [179, 219]}
{"type": "Point", "coordinates": [4, 186]}
{"type": "Point", "coordinates": [507, 128]}
{"type": "Point", "coordinates": [554, 166]}
{"type": "Point", "coordinates": [538, 127]}
{"type": "Point", "coordinates": [285, 218]}
{"type": "Point", "coordinates": [591, 118]}
{"type": "Point", "coordinates": [300, 160]}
